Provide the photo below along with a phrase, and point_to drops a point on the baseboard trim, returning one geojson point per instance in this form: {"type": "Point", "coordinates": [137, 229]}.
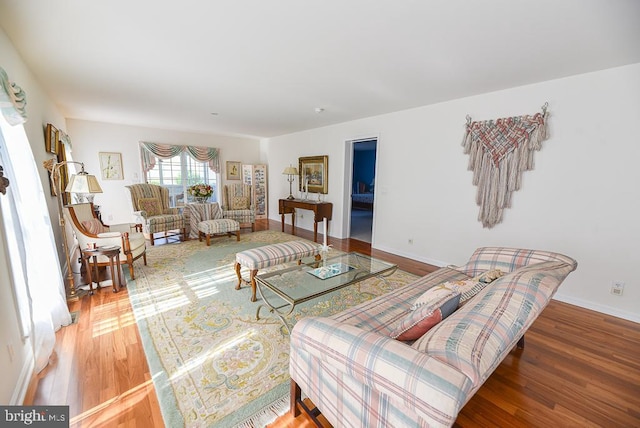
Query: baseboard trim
{"type": "Point", "coordinates": [20, 391]}
{"type": "Point", "coordinates": [604, 309]}
{"type": "Point", "coordinates": [432, 262]}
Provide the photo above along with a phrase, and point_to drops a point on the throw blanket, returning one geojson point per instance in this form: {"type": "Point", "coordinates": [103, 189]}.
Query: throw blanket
{"type": "Point", "coordinates": [499, 150]}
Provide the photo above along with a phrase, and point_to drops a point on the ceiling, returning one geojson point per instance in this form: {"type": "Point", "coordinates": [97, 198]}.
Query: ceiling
{"type": "Point", "coordinates": [263, 67]}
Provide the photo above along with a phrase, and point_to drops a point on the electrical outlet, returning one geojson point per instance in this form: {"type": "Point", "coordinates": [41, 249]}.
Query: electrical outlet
{"type": "Point", "coordinates": [617, 288]}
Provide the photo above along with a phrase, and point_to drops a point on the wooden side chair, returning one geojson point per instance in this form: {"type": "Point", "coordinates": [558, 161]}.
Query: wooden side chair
{"type": "Point", "coordinates": [88, 229]}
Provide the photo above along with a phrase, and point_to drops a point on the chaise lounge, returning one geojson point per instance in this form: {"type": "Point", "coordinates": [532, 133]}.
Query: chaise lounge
{"type": "Point", "coordinates": [357, 370]}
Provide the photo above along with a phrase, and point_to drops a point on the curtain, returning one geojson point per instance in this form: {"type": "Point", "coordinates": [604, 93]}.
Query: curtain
{"type": "Point", "coordinates": [151, 151]}
{"type": "Point", "coordinates": [35, 268]}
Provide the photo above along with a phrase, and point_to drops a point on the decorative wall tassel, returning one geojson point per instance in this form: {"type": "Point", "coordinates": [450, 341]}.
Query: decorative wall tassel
{"type": "Point", "coordinates": [499, 151]}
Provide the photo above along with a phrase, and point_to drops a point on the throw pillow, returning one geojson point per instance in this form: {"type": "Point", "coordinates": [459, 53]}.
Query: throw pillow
{"type": "Point", "coordinates": [150, 205]}
{"type": "Point", "coordinates": [94, 226]}
{"type": "Point", "coordinates": [433, 306]}
{"type": "Point", "coordinates": [239, 203]}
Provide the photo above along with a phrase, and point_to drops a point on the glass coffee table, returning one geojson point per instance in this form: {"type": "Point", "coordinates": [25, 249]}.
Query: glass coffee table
{"type": "Point", "coordinates": [304, 282]}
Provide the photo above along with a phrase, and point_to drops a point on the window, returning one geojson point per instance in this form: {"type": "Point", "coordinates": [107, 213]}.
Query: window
{"type": "Point", "coordinates": [180, 172]}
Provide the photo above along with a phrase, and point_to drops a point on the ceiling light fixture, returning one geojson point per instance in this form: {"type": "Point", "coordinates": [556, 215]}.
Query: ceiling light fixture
{"type": "Point", "coordinates": [319, 110]}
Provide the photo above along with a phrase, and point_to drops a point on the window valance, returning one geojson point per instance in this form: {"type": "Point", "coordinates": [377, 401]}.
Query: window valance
{"type": "Point", "coordinates": [150, 151]}
{"type": "Point", "coordinates": [13, 100]}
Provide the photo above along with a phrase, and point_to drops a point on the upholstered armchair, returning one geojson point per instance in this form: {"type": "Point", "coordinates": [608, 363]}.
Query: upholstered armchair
{"type": "Point", "coordinates": [151, 209]}
{"type": "Point", "coordinates": [237, 204]}
{"type": "Point", "coordinates": [88, 229]}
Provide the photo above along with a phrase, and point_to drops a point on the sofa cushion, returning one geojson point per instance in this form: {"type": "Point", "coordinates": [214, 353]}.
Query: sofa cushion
{"type": "Point", "coordinates": [476, 337]}
{"type": "Point", "coordinates": [151, 206]}
{"type": "Point", "coordinates": [429, 309]}
{"type": "Point", "coordinates": [94, 226]}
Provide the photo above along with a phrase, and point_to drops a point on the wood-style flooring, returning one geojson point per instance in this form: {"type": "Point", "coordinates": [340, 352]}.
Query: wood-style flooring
{"type": "Point", "coordinates": [579, 368]}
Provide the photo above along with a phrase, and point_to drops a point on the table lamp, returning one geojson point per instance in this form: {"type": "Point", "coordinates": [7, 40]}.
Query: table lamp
{"type": "Point", "coordinates": [290, 172]}
{"type": "Point", "coordinates": [83, 183]}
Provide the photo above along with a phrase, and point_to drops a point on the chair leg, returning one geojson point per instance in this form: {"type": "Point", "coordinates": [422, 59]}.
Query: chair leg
{"type": "Point", "coordinates": [253, 285]}
{"type": "Point", "coordinates": [208, 235]}
{"type": "Point", "coordinates": [130, 263]}
{"type": "Point", "coordinates": [239, 276]}
{"type": "Point", "coordinates": [151, 238]}
{"type": "Point", "coordinates": [295, 397]}
{"type": "Point", "coordinates": [144, 257]}
{"type": "Point", "coordinates": [131, 270]}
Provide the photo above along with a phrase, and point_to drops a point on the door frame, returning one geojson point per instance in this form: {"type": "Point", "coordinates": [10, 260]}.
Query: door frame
{"type": "Point", "coordinates": [348, 183]}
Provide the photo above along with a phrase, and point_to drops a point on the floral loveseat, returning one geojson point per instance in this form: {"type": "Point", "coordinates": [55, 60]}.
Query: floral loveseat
{"type": "Point", "coordinates": [359, 376]}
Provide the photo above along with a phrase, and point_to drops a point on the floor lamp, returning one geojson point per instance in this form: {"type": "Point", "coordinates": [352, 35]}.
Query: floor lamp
{"type": "Point", "coordinates": [291, 172]}
{"type": "Point", "coordinates": [83, 183]}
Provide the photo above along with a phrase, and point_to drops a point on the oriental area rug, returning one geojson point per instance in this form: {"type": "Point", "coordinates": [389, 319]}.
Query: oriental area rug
{"type": "Point", "coordinates": [213, 364]}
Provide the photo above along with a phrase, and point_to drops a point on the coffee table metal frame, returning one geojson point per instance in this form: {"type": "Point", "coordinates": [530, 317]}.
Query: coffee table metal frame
{"type": "Point", "coordinates": [295, 285]}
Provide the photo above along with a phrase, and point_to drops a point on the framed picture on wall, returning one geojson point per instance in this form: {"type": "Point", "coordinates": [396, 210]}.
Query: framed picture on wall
{"type": "Point", "coordinates": [111, 166]}
{"type": "Point", "coordinates": [51, 139]}
{"type": "Point", "coordinates": [314, 172]}
{"type": "Point", "coordinates": [234, 170]}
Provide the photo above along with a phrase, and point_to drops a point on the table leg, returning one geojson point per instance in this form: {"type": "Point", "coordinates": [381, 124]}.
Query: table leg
{"type": "Point", "coordinates": [315, 230]}
{"type": "Point", "coordinates": [282, 221]}
{"type": "Point", "coordinates": [121, 281]}
{"type": "Point", "coordinates": [275, 309]}
{"type": "Point", "coordinates": [95, 266]}
{"type": "Point", "coordinates": [113, 274]}
{"type": "Point", "coordinates": [87, 266]}
{"type": "Point", "coordinates": [293, 222]}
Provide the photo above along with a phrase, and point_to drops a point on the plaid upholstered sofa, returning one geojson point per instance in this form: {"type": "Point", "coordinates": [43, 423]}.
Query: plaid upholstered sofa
{"type": "Point", "coordinates": [359, 376]}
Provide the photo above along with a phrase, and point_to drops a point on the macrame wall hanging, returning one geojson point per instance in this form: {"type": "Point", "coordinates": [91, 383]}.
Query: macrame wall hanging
{"type": "Point", "coordinates": [499, 151]}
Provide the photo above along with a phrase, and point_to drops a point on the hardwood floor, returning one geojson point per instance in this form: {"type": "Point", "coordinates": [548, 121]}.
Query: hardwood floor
{"type": "Point", "coordinates": [579, 367]}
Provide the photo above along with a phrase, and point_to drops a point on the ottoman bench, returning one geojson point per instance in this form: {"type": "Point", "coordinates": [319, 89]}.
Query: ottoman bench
{"type": "Point", "coordinates": [271, 255]}
{"type": "Point", "coordinates": [207, 228]}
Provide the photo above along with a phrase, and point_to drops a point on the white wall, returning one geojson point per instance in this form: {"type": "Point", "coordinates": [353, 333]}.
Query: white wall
{"type": "Point", "coordinates": [581, 199]}
{"type": "Point", "coordinates": [40, 110]}
{"type": "Point", "coordinates": [90, 138]}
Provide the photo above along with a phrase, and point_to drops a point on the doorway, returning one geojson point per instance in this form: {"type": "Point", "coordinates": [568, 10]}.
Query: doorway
{"type": "Point", "coordinates": [363, 176]}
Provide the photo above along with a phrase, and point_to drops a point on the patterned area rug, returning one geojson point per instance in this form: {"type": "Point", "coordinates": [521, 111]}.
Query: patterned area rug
{"type": "Point", "coordinates": [213, 364]}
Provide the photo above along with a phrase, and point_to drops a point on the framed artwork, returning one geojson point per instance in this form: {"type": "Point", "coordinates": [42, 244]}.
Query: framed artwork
{"type": "Point", "coordinates": [234, 170]}
{"type": "Point", "coordinates": [314, 172]}
{"type": "Point", "coordinates": [111, 166]}
{"type": "Point", "coordinates": [63, 139]}
{"type": "Point", "coordinates": [51, 139]}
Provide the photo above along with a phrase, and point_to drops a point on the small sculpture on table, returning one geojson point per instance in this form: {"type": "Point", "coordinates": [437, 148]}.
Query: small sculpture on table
{"type": "Point", "coordinates": [324, 250]}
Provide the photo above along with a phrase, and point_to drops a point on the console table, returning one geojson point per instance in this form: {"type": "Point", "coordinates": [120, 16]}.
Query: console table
{"type": "Point", "coordinates": [321, 210]}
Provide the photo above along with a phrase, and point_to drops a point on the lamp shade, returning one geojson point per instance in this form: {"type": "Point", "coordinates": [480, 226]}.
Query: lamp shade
{"type": "Point", "coordinates": [290, 170]}
{"type": "Point", "coordinates": [83, 183]}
